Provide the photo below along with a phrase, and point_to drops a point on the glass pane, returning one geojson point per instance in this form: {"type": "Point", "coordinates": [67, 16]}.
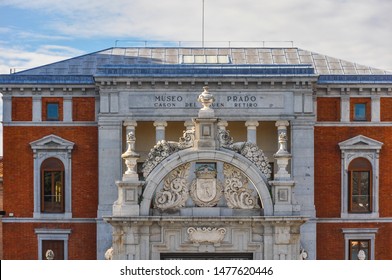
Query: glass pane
{"type": "Point", "coordinates": [53, 191]}
{"type": "Point", "coordinates": [360, 111]}
{"type": "Point", "coordinates": [359, 249]}
{"type": "Point", "coordinates": [360, 191]}
{"type": "Point", "coordinates": [52, 111]}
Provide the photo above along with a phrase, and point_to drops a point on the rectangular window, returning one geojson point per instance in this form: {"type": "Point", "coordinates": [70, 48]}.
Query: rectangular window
{"type": "Point", "coordinates": [52, 112]}
{"type": "Point", "coordinates": [360, 192]}
{"type": "Point", "coordinates": [52, 249]}
{"type": "Point", "coordinates": [52, 192]}
{"type": "Point", "coordinates": [359, 249]}
{"type": "Point", "coordinates": [360, 112]}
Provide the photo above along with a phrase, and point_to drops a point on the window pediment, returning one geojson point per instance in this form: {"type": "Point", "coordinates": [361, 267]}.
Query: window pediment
{"type": "Point", "coordinates": [361, 142]}
{"type": "Point", "coordinates": [52, 142]}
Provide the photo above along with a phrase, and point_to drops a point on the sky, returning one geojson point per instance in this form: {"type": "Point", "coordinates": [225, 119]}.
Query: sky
{"type": "Point", "coordinates": [38, 32]}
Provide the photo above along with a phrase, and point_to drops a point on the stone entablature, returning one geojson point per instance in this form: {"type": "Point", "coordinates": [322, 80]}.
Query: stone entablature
{"type": "Point", "coordinates": [145, 238]}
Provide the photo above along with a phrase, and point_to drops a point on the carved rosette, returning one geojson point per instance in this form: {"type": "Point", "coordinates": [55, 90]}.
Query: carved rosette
{"type": "Point", "coordinates": [206, 234]}
{"type": "Point", "coordinates": [237, 192]}
{"type": "Point", "coordinates": [175, 190]}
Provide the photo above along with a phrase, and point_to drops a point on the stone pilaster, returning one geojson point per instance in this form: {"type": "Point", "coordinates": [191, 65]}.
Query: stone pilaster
{"type": "Point", "coordinates": [37, 108]}
{"type": "Point", "coordinates": [67, 101]}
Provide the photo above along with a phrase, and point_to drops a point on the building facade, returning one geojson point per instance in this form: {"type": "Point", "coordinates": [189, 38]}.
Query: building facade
{"type": "Point", "coordinates": [197, 153]}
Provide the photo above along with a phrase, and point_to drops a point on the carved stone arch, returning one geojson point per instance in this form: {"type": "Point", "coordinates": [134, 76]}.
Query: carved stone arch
{"type": "Point", "coordinates": [254, 174]}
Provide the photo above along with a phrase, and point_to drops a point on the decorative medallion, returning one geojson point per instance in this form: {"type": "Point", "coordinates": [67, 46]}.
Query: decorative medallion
{"type": "Point", "coordinates": [206, 190]}
{"type": "Point", "coordinates": [175, 190]}
{"type": "Point", "coordinates": [237, 192]}
{"type": "Point", "coordinates": [206, 234]}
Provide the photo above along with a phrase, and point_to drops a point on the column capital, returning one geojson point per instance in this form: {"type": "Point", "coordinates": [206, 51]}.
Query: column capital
{"type": "Point", "coordinates": [281, 125]}
{"type": "Point", "coordinates": [130, 123]}
{"type": "Point", "coordinates": [251, 124]}
{"type": "Point", "coordinates": [160, 124]}
{"type": "Point", "coordinates": [189, 125]}
{"type": "Point", "coordinates": [222, 124]}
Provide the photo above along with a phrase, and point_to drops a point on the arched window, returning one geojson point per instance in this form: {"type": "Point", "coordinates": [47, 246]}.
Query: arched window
{"type": "Point", "coordinates": [52, 186]}
{"type": "Point", "coordinates": [360, 184]}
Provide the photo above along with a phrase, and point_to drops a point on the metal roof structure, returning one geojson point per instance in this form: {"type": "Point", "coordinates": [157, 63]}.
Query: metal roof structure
{"type": "Point", "coordinates": [200, 62]}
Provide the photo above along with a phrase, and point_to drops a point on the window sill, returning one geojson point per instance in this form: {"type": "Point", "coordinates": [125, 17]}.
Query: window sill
{"type": "Point", "coordinates": [371, 215]}
{"type": "Point", "coordinates": [55, 216]}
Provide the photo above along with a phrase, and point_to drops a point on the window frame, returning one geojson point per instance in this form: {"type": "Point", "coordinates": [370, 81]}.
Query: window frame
{"type": "Point", "coordinates": [52, 146]}
{"type": "Point", "coordinates": [360, 147]}
{"type": "Point", "coordinates": [52, 234]}
{"type": "Point", "coordinates": [351, 234]}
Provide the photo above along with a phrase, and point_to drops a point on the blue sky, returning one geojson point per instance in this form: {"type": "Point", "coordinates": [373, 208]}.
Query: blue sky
{"type": "Point", "coordinates": [39, 32]}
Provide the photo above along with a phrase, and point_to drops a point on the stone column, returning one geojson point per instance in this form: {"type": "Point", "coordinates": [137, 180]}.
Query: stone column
{"type": "Point", "coordinates": [130, 126]}
{"type": "Point", "coordinates": [160, 130]}
{"type": "Point", "coordinates": [222, 125]}
{"type": "Point", "coordinates": [251, 128]}
{"type": "Point", "coordinates": [37, 108]}
{"type": "Point", "coordinates": [189, 125]}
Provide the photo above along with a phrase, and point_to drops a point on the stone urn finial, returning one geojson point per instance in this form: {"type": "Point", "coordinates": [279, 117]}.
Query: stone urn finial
{"type": "Point", "coordinates": [130, 157]}
{"type": "Point", "coordinates": [206, 99]}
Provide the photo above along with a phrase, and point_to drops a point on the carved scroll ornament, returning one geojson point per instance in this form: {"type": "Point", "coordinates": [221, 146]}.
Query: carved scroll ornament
{"type": "Point", "coordinates": [175, 190]}
{"type": "Point", "coordinates": [237, 192]}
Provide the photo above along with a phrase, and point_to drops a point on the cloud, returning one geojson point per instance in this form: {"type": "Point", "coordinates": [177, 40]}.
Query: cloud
{"type": "Point", "coordinates": [354, 30]}
{"type": "Point", "coordinates": [19, 59]}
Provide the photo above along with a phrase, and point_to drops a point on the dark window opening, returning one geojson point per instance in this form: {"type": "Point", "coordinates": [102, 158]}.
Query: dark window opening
{"type": "Point", "coordinates": [359, 249]}
{"type": "Point", "coordinates": [360, 186]}
{"type": "Point", "coordinates": [52, 186]}
{"type": "Point", "coordinates": [52, 112]}
{"type": "Point", "coordinates": [360, 112]}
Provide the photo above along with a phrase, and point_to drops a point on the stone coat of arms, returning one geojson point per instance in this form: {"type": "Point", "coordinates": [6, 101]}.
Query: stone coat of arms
{"type": "Point", "coordinates": [206, 190]}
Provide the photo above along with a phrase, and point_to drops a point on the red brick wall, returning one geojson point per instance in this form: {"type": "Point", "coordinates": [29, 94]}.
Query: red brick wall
{"type": "Point", "coordinates": [18, 184]}
{"type": "Point", "coordinates": [328, 109]}
{"type": "Point", "coordinates": [330, 240]}
{"type": "Point", "coordinates": [366, 101]}
{"type": "Point", "coordinates": [21, 241]}
{"type": "Point", "coordinates": [386, 109]}
{"type": "Point", "coordinates": [22, 109]}
{"type": "Point", "coordinates": [83, 108]}
{"type": "Point", "coordinates": [46, 100]}
{"type": "Point", "coordinates": [328, 167]}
